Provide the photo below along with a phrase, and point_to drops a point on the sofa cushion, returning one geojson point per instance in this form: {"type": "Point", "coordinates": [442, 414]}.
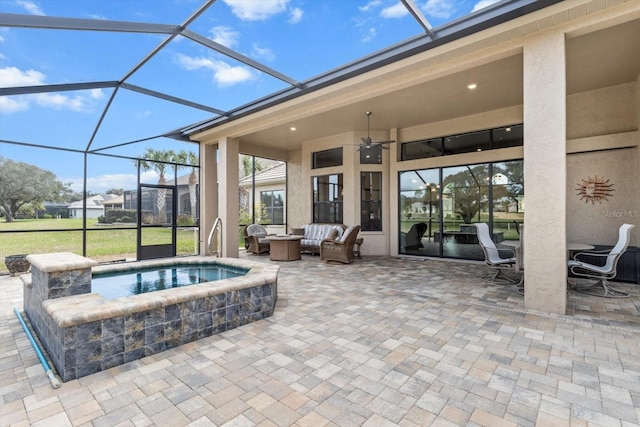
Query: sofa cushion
{"type": "Point", "coordinates": [321, 231]}
{"type": "Point", "coordinates": [316, 233]}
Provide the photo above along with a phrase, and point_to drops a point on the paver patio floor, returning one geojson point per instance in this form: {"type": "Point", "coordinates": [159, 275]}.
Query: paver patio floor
{"type": "Point", "coordinates": [383, 341]}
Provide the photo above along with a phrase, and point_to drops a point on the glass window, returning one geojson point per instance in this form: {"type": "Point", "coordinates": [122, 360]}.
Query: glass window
{"type": "Point", "coordinates": [371, 155]}
{"type": "Point", "coordinates": [467, 143]}
{"type": "Point", "coordinates": [508, 198]}
{"type": "Point", "coordinates": [371, 201]}
{"type": "Point", "coordinates": [508, 136]}
{"type": "Point", "coordinates": [327, 199]}
{"type": "Point", "coordinates": [422, 149]}
{"type": "Point", "coordinates": [273, 205]}
{"type": "Point", "coordinates": [327, 158]}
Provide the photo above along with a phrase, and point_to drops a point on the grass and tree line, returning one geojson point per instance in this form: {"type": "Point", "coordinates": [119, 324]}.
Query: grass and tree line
{"type": "Point", "coordinates": [24, 188]}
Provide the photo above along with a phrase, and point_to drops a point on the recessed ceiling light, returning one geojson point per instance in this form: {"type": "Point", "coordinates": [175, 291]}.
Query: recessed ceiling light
{"type": "Point", "coordinates": [472, 86]}
{"type": "Point", "coordinates": [292, 128]}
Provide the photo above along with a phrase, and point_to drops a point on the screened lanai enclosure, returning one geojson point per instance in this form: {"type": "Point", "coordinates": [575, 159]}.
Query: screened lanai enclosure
{"type": "Point", "coordinates": [95, 104]}
{"type": "Point", "coordinates": [98, 101]}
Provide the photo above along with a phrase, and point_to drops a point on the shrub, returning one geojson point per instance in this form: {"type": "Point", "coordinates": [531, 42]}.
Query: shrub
{"type": "Point", "coordinates": [185, 221]}
{"type": "Point", "coordinates": [113, 214]}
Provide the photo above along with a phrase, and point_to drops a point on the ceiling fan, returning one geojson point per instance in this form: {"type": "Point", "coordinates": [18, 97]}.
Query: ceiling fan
{"type": "Point", "coordinates": [367, 143]}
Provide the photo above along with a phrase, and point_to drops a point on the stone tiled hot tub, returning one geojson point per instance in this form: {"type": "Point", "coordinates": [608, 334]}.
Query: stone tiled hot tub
{"type": "Point", "coordinates": [84, 333]}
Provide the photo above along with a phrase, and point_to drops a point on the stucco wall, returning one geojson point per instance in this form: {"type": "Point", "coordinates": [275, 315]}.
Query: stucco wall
{"type": "Point", "coordinates": [603, 111]}
{"type": "Point", "coordinates": [300, 213]}
{"type": "Point", "coordinates": [598, 114]}
{"type": "Point", "coordinates": [298, 200]}
{"type": "Point", "coordinates": [598, 222]}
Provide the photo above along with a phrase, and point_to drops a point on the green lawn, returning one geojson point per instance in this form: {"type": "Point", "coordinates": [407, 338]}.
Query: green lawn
{"type": "Point", "coordinates": [103, 243]}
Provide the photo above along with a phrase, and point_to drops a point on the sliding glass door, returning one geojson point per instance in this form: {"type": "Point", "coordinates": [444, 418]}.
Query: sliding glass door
{"type": "Point", "coordinates": [466, 191]}
{"type": "Point", "coordinates": [420, 212]}
{"type": "Point", "coordinates": [439, 206]}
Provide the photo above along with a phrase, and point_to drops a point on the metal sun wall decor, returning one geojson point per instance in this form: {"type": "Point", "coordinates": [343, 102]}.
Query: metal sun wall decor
{"type": "Point", "coordinates": [595, 190]}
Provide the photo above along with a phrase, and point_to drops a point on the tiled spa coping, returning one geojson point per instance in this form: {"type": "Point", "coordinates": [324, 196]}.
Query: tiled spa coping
{"type": "Point", "coordinates": [79, 309]}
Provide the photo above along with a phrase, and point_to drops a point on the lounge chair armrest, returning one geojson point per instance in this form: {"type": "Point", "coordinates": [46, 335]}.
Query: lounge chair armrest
{"type": "Point", "coordinates": [331, 242]}
{"type": "Point", "coordinates": [602, 253]}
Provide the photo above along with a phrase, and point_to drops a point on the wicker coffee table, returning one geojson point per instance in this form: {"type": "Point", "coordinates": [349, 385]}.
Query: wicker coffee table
{"type": "Point", "coordinates": [284, 248]}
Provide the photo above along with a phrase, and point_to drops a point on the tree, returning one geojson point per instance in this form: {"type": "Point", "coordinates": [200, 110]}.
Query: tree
{"type": "Point", "coordinates": [157, 160]}
{"type": "Point", "coordinates": [116, 191]}
{"type": "Point", "coordinates": [191, 158]}
{"type": "Point", "coordinates": [470, 191]}
{"type": "Point", "coordinates": [22, 183]}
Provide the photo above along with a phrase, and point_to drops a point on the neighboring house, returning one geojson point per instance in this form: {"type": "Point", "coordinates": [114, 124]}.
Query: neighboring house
{"type": "Point", "coordinates": [54, 209]}
{"type": "Point", "coordinates": [114, 203]}
{"type": "Point", "coordinates": [95, 206]}
{"type": "Point", "coordinates": [128, 200]}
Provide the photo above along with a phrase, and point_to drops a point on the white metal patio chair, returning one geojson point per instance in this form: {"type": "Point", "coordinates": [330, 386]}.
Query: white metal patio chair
{"type": "Point", "coordinates": [492, 256]}
{"type": "Point", "coordinates": [602, 273]}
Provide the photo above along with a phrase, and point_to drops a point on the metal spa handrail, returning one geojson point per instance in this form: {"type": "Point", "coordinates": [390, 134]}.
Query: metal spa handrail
{"type": "Point", "coordinates": [216, 225]}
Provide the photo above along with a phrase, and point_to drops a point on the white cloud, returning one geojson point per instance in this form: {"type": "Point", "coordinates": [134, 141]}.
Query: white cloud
{"type": "Point", "coordinates": [224, 35]}
{"type": "Point", "coordinates": [14, 77]}
{"type": "Point", "coordinates": [256, 10]}
{"type": "Point", "coordinates": [223, 73]}
{"type": "Point", "coordinates": [262, 52]}
{"type": "Point", "coordinates": [102, 183]}
{"type": "Point", "coordinates": [439, 8]}
{"type": "Point", "coordinates": [96, 93]}
{"type": "Point", "coordinates": [295, 15]}
{"type": "Point", "coordinates": [30, 7]}
{"type": "Point", "coordinates": [396, 11]}
{"type": "Point", "coordinates": [483, 3]}
{"type": "Point", "coordinates": [143, 114]}
{"type": "Point", "coordinates": [371, 5]}
{"type": "Point", "coordinates": [13, 104]}
{"type": "Point", "coordinates": [369, 35]}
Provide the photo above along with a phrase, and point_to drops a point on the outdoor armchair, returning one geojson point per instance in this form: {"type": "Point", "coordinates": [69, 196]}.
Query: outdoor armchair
{"type": "Point", "coordinates": [602, 273]}
{"type": "Point", "coordinates": [256, 237]}
{"type": "Point", "coordinates": [340, 250]}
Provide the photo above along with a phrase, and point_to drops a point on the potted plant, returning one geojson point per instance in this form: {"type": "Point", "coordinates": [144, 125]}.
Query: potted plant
{"type": "Point", "coordinates": [17, 263]}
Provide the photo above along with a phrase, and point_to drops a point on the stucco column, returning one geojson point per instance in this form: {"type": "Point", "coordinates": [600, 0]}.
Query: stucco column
{"type": "Point", "coordinates": [208, 192]}
{"type": "Point", "coordinates": [545, 173]}
{"type": "Point", "coordinates": [228, 202]}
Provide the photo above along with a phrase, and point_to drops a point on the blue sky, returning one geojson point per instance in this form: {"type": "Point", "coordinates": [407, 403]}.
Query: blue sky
{"type": "Point", "coordinates": [298, 38]}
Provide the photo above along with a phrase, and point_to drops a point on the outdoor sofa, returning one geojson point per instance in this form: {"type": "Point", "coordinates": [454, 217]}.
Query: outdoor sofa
{"type": "Point", "coordinates": [316, 233]}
